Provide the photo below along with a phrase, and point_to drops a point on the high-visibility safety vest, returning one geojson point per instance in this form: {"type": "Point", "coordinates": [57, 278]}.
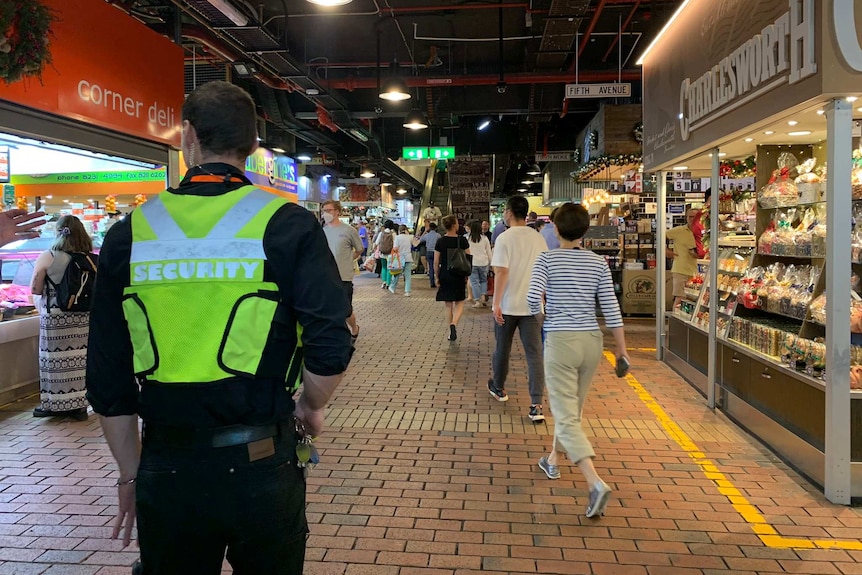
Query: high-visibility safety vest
{"type": "Point", "coordinates": [198, 307]}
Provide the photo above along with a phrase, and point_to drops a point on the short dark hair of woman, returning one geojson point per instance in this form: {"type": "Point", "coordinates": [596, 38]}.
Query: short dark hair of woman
{"type": "Point", "coordinates": [224, 119]}
{"type": "Point", "coordinates": [572, 221]}
{"type": "Point", "coordinates": [72, 237]}
{"type": "Point", "coordinates": [450, 222]}
{"type": "Point", "coordinates": [519, 207]}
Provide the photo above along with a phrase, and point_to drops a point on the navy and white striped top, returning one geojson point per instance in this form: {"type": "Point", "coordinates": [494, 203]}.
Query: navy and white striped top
{"type": "Point", "coordinates": [571, 281]}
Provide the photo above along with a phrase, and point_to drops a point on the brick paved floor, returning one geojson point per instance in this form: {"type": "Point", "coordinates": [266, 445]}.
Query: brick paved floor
{"type": "Point", "coordinates": [423, 473]}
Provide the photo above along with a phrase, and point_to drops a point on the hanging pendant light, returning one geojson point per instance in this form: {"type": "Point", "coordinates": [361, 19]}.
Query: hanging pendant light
{"type": "Point", "coordinates": [534, 170]}
{"type": "Point", "coordinates": [415, 120]}
{"type": "Point", "coordinates": [394, 89]}
{"type": "Point", "coordinates": [366, 172]}
{"type": "Point", "coordinates": [329, 3]}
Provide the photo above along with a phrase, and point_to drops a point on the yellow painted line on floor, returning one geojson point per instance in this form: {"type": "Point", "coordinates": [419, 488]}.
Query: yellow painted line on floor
{"type": "Point", "coordinates": [746, 510]}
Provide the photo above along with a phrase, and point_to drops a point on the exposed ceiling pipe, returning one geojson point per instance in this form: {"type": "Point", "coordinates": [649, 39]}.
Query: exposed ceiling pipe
{"type": "Point", "coordinates": [486, 80]}
{"type": "Point", "coordinates": [620, 35]}
{"type": "Point", "coordinates": [592, 26]}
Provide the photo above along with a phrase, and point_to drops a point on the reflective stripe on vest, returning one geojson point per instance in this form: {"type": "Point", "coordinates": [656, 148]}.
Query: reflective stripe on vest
{"type": "Point", "coordinates": [198, 307]}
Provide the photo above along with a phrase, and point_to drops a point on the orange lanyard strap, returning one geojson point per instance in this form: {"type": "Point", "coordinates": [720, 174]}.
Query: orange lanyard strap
{"type": "Point", "coordinates": [209, 178]}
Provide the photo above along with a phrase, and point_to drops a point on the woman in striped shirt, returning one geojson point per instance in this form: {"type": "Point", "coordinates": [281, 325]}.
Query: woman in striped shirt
{"type": "Point", "coordinates": [566, 282]}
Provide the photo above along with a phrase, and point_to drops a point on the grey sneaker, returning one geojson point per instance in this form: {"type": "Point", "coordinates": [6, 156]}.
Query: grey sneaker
{"type": "Point", "coordinates": [599, 496]}
{"type": "Point", "coordinates": [552, 471]}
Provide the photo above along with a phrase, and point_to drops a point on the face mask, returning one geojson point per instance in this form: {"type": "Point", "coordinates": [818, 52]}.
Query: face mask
{"type": "Point", "coordinates": [327, 217]}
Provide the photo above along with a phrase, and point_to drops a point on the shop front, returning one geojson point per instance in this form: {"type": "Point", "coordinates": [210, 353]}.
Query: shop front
{"type": "Point", "coordinates": [770, 88]}
{"type": "Point", "coordinates": [94, 135]}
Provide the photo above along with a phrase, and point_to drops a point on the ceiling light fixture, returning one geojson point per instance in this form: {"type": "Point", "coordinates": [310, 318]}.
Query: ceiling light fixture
{"type": "Point", "coordinates": [229, 11]}
{"type": "Point", "coordinates": [394, 88]}
{"type": "Point", "coordinates": [768, 132]}
{"type": "Point", "coordinates": [304, 158]}
{"type": "Point", "coordinates": [366, 172]}
{"type": "Point", "coordinates": [359, 134]}
{"type": "Point", "coordinates": [521, 189]}
{"type": "Point", "coordinates": [278, 150]}
{"type": "Point", "coordinates": [821, 112]}
{"type": "Point", "coordinates": [484, 125]}
{"type": "Point", "coordinates": [799, 133]}
{"type": "Point", "coordinates": [329, 3]}
{"type": "Point", "coordinates": [792, 123]}
{"type": "Point", "coordinates": [534, 170]}
{"type": "Point", "coordinates": [401, 190]}
{"type": "Point", "coordinates": [244, 69]}
{"type": "Point", "coordinates": [652, 45]}
{"type": "Point", "coordinates": [852, 98]}
{"type": "Point", "coordinates": [415, 120]}
{"type": "Point", "coordinates": [749, 139]}
{"type": "Point", "coordinates": [679, 168]}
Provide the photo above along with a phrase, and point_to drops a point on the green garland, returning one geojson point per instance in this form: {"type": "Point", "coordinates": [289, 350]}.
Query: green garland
{"type": "Point", "coordinates": [25, 26]}
{"type": "Point", "coordinates": [596, 165]}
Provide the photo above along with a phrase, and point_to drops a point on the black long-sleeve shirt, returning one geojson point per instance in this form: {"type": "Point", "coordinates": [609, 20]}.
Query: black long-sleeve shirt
{"type": "Point", "coordinates": [299, 263]}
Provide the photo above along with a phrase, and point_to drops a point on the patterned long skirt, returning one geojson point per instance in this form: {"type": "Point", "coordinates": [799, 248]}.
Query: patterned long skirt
{"type": "Point", "coordinates": [63, 360]}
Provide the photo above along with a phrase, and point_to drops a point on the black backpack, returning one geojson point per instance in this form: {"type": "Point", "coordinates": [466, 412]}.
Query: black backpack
{"type": "Point", "coordinates": [75, 290]}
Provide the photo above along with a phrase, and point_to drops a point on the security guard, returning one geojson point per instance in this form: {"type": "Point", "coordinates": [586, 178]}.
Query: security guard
{"type": "Point", "coordinates": [213, 301]}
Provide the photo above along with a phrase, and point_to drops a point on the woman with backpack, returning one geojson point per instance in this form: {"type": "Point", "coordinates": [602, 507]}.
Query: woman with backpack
{"type": "Point", "coordinates": [68, 268]}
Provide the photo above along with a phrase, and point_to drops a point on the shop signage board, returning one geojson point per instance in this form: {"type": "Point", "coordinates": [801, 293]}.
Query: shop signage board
{"type": "Point", "coordinates": [4, 163]}
{"type": "Point", "coordinates": [717, 68]}
{"type": "Point", "coordinates": [273, 172]}
{"type": "Point", "coordinates": [109, 70]}
{"type": "Point", "coordinates": [554, 156]}
{"type": "Point", "coordinates": [9, 194]}
{"type": "Point", "coordinates": [415, 153]}
{"type": "Point", "coordinates": [638, 291]}
{"type": "Point", "coordinates": [615, 90]}
{"type": "Point", "coordinates": [470, 182]}
{"type": "Point", "coordinates": [160, 175]}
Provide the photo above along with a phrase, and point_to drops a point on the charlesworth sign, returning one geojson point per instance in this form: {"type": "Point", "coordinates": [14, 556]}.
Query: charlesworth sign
{"type": "Point", "coordinates": [726, 64]}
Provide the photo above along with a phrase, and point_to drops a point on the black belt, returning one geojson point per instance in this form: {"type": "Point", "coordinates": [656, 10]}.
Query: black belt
{"type": "Point", "coordinates": [227, 436]}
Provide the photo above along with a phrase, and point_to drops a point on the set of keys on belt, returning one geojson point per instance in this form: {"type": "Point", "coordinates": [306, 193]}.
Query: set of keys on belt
{"type": "Point", "coordinates": [306, 453]}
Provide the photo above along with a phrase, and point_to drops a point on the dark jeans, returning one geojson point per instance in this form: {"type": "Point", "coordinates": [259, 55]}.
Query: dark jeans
{"type": "Point", "coordinates": [193, 504]}
{"type": "Point", "coordinates": [531, 338]}
{"type": "Point", "coordinates": [430, 258]}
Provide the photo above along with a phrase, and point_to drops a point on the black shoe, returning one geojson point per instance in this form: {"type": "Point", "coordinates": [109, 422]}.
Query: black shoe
{"type": "Point", "coordinates": [536, 415]}
{"type": "Point", "coordinates": [39, 412]}
{"type": "Point", "coordinates": [137, 569]}
{"type": "Point", "coordinates": [453, 333]}
{"type": "Point", "coordinates": [498, 394]}
{"type": "Point", "coordinates": [79, 414]}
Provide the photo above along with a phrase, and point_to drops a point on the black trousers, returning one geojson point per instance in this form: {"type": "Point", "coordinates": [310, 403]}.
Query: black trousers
{"type": "Point", "coordinates": [197, 506]}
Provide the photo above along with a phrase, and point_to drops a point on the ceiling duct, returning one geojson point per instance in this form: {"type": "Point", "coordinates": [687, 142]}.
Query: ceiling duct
{"type": "Point", "coordinates": [561, 26]}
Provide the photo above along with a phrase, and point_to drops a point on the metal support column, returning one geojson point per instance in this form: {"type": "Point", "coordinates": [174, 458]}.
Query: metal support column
{"type": "Point", "coordinates": [660, 263]}
{"type": "Point", "coordinates": [839, 119]}
{"type": "Point", "coordinates": [712, 357]}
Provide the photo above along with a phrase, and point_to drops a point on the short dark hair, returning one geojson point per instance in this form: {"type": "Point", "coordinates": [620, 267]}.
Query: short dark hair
{"type": "Point", "coordinates": [519, 206]}
{"type": "Point", "coordinates": [433, 226]}
{"type": "Point", "coordinates": [554, 213]}
{"type": "Point", "coordinates": [450, 222]}
{"type": "Point", "coordinates": [572, 221]}
{"type": "Point", "coordinates": [224, 118]}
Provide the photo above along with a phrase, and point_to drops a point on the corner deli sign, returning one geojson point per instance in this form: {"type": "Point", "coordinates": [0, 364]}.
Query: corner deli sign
{"type": "Point", "coordinates": [782, 52]}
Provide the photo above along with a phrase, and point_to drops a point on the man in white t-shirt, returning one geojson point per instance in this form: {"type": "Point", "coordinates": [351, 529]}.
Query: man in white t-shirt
{"type": "Point", "coordinates": [515, 252]}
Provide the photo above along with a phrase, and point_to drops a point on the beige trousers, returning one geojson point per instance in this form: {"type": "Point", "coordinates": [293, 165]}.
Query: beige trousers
{"type": "Point", "coordinates": [571, 359]}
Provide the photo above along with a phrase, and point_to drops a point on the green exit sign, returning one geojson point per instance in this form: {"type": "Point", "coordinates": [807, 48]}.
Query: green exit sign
{"type": "Point", "coordinates": [442, 153]}
{"type": "Point", "coordinates": [414, 153]}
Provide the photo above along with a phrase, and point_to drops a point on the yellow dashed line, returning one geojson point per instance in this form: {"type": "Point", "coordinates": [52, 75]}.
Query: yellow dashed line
{"type": "Point", "coordinates": [746, 510]}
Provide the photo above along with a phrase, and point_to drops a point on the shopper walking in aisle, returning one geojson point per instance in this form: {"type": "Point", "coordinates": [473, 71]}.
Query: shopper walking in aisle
{"type": "Point", "coordinates": [205, 295]}
{"type": "Point", "coordinates": [403, 243]}
{"type": "Point", "coordinates": [549, 232]}
{"type": "Point", "coordinates": [501, 227]}
{"type": "Point", "coordinates": [363, 237]}
{"type": "Point", "coordinates": [452, 287]}
{"type": "Point", "coordinates": [564, 287]}
{"type": "Point", "coordinates": [515, 253]}
{"type": "Point", "coordinates": [63, 334]}
{"type": "Point", "coordinates": [684, 255]}
{"type": "Point", "coordinates": [346, 246]}
{"type": "Point", "coordinates": [430, 239]}
{"type": "Point", "coordinates": [486, 229]}
{"type": "Point", "coordinates": [384, 246]}
{"type": "Point", "coordinates": [17, 225]}
{"type": "Point", "coordinates": [480, 248]}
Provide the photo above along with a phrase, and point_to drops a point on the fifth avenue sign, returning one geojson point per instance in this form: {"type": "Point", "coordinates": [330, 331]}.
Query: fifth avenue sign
{"type": "Point", "coordinates": [598, 90]}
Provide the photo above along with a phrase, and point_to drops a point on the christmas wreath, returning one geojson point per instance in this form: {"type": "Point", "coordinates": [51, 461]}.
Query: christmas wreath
{"type": "Point", "coordinates": [638, 132]}
{"type": "Point", "coordinates": [595, 166]}
{"type": "Point", "coordinates": [746, 168]}
{"type": "Point", "coordinates": [25, 26]}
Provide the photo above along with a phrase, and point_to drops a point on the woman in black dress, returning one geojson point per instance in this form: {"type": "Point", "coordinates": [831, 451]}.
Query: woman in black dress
{"type": "Point", "coordinates": [453, 289]}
